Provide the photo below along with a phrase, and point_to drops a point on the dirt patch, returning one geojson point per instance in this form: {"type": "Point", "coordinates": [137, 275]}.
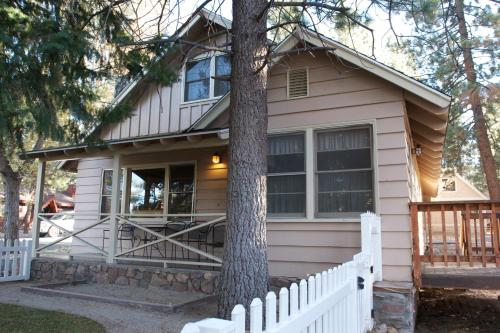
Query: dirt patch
{"type": "Point", "coordinates": [453, 311]}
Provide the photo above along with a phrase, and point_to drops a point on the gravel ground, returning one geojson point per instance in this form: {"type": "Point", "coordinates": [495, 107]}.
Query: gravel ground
{"type": "Point", "coordinates": [151, 295]}
{"type": "Point", "coordinates": [115, 318]}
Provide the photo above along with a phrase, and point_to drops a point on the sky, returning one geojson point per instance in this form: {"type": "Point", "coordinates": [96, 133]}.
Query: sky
{"type": "Point", "coordinates": [150, 10]}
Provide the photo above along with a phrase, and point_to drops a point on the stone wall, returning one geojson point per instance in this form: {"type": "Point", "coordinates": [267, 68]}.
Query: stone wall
{"type": "Point", "coordinates": [55, 270]}
{"type": "Point", "coordinates": [394, 305]}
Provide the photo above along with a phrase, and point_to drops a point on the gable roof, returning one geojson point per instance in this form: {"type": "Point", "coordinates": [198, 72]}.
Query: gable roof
{"type": "Point", "coordinates": [303, 34]}
{"type": "Point", "coordinates": [181, 32]}
{"type": "Point", "coordinates": [427, 107]}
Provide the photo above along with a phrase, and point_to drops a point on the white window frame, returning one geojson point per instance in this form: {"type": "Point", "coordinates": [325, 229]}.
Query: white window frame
{"type": "Point", "coordinates": [310, 167]}
{"type": "Point", "coordinates": [292, 215]}
{"type": "Point", "coordinates": [203, 56]}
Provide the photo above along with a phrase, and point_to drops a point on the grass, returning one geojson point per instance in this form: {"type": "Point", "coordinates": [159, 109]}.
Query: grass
{"type": "Point", "coordinates": [20, 319]}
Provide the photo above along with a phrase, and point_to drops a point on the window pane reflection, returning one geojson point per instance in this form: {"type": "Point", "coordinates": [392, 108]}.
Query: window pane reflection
{"type": "Point", "coordinates": [197, 80]}
{"type": "Point", "coordinates": [146, 193]}
{"type": "Point", "coordinates": [180, 197]}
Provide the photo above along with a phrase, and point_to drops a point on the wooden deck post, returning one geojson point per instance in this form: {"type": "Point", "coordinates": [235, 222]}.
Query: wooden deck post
{"type": "Point", "coordinates": [40, 183]}
{"type": "Point", "coordinates": [115, 206]}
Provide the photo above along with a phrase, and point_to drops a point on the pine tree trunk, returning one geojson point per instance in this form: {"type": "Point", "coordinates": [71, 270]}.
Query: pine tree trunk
{"type": "Point", "coordinates": [11, 207]}
{"type": "Point", "coordinates": [12, 182]}
{"type": "Point", "coordinates": [244, 273]}
{"type": "Point", "coordinates": [480, 128]}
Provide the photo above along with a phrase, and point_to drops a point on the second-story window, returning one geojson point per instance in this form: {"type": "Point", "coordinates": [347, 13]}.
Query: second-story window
{"type": "Point", "coordinates": [207, 78]}
{"type": "Point", "coordinates": [222, 73]}
{"type": "Point", "coordinates": [197, 80]}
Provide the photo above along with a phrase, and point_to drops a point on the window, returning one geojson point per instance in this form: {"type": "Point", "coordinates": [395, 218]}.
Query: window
{"type": "Point", "coordinates": [149, 188]}
{"type": "Point", "coordinates": [107, 190]}
{"type": "Point", "coordinates": [146, 190]}
{"type": "Point", "coordinates": [222, 69]}
{"type": "Point", "coordinates": [286, 181]}
{"type": "Point", "coordinates": [181, 189]}
{"type": "Point", "coordinates": [448, 185]}
{"type": "Point", "coordinates": [199, 78]}
{"type": "Point", "coordinates": [344, 172]}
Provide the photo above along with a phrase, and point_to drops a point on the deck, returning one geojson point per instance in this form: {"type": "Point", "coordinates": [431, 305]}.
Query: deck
{"type": "Point", "coordinates": [486, 278]}
{"type": "Point", "coordinates": [456, 244]}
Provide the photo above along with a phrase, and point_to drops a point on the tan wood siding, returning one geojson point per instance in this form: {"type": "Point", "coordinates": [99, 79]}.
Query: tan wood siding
{"type": "Point", "coordinates": [341, 95]}
{"type": "Point", "coordinates": [158, 110]}
{"type": "Point", "coordinates": [211, 184]}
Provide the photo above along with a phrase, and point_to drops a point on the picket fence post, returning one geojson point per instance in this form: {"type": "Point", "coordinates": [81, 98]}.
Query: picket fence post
{"type": "Point", "coordinates": [15, 260]}
{"type": "Point", "coordinates": [377, 247]}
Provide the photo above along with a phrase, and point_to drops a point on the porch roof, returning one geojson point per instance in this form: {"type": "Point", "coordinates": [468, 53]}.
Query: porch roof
{"type": "Point", "coordinates": [112, 146]}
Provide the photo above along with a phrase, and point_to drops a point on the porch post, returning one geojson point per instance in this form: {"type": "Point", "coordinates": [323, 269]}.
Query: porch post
{"type": "Point", "coordinates": [115, 204]}
{"type": "Point", "coordinates": [40, 182]}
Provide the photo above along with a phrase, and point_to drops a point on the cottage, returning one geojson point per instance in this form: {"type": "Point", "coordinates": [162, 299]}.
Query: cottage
{"type": "Point", "coordinates": [347, 135]}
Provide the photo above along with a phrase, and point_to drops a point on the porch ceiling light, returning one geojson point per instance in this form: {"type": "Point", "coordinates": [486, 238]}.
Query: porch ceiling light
{"type": "Point", "coordinates": [215, 158]}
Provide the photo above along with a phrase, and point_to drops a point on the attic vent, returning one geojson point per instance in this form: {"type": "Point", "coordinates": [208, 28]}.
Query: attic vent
{"type": "Point", "coordinates": [298, 83]}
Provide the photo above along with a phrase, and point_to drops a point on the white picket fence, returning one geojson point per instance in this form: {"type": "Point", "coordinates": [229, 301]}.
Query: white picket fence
{"type": "Point", "coordinates": [15, 260]}
{"type": "Point", "coordinates": [339, 300]}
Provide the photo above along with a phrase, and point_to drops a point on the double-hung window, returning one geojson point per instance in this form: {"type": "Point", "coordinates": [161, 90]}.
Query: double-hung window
{"type": "Point", "coordinates": [339, 176]}
{"type": "Point", "coordinates": [207, 78]}
{"type": "Point", "coordinates": [197, 82]}
{"type": "Point", "coordinates": [222, 74]}
{"type": "Point", "coordinates": [344, 172]}
{"type": "Point", "coordinates": [286, 181]}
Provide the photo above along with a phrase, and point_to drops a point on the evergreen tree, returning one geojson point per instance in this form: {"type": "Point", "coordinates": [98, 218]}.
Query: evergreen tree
{"type": "Point", "coordinates": [456, 43]}
{"type": "Point", "coordinates": [53, 57]}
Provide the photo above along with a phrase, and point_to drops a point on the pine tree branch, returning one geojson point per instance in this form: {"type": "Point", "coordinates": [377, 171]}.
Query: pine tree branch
{"type": "Point", "coordinates": [102, 11]}
{"type": "Point", "coordinates": [281, 25]}
{"type": "Point", "coordinates": [301, 50]}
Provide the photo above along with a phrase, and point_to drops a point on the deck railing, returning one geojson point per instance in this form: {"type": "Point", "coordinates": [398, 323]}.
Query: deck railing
{"type": "Point", "coordinates": [455, 233]}
{"type": "Point", "coordinates": [184, 239]}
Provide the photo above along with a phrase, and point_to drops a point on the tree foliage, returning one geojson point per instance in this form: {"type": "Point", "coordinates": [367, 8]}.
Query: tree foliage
{"type": "Point", "coordinates": [439, 49]}
{"type": "Point", "coordinates": [56, 61]}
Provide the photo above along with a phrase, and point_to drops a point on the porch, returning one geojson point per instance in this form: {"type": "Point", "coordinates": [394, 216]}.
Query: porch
{"type": "Point", "coordinates": [456, 244]}
{"type": "Point", "coordinates": [158, 201]}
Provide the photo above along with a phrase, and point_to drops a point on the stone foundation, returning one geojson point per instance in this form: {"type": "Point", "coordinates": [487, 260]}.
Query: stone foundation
{"type": "Point", "coordinates": [55, 270]}
{"type": "Point", "coordinates": [395, 305]}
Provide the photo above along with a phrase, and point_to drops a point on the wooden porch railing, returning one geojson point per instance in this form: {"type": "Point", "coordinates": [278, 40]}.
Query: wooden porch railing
{"type": "Point", "coordinates": [195, 239]}
{"type": "Point", "coordinates": [455, 233]}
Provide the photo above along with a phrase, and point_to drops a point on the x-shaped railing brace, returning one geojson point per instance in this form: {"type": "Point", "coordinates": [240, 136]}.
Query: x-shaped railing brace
{"type": "Point", "coordinates": [73, 234]}
{"type": "Point", "coordinates": [169, 238]}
